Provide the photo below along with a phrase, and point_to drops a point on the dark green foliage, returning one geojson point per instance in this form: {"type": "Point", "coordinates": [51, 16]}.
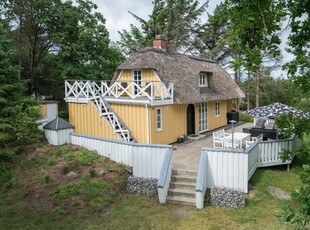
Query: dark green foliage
{"type": "Point", "coordinates": [299, 39]}
{"type": "Point", "coordinates": [59, 40]}
{"type": "Point", "coordinates": [301, 216]}
{"type": "Point", "coordinates": [18, 114]}
{"type": "Point", "coordinates": [213, 38]}
{"type": "Point", "coordinates": [177, 21]}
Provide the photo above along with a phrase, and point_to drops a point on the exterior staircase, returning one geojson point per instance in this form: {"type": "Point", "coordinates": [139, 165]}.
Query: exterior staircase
{"type": "Point", "coordinates": [109, 115]}
{"type": "Point", "coordinates": [182, 187]}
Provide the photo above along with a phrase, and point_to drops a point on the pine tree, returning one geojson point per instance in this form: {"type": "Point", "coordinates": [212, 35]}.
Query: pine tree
{"type": "Point", "coordinates": [18, 113]}
{"type": "Point", "coordinates": [177, 21]}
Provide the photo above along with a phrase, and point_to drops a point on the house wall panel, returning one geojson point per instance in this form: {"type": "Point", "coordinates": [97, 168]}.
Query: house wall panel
{"type": "Point", "coordinates": [148, 75]}
{"type": "Point", "coordinates": [87, 120]}
{"type": "Point", "coordinates": [174, 123]}
{"type": "Point", "coordinates": [216, 121]}
{"type": "Point", "coordinates": [43, 110]}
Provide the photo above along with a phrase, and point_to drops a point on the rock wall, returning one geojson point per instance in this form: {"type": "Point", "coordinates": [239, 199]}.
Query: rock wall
{"type": "Point", "coordinates": [225, 197]}
{"type": "Point", "coordinates": [142, 186]}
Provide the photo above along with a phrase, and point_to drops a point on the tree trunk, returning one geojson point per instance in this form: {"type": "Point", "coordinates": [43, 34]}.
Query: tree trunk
{"type": "Point", "coordinates": [248, 93]}
{"type": "Point", "coordinates": [257, 76]}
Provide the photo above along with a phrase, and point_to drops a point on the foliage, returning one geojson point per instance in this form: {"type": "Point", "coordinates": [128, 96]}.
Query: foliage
{"type": "Point", "coordinates": [59, 40]}
{"type": "Point", "coordinates": [298, 41]}
{"type": "Point", "coordinates": [213, 38]}
{"type": "Point", "coordinates": [300, 217]}
{"type": "Point", "coordinates": [245, 117]}
{"type": "Point", "coordinates": [177, 21]}
{"type": "Point", "coordinates": [18, 114]}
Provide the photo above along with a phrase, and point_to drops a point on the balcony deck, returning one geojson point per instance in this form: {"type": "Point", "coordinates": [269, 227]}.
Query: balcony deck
{"type": "Point", "coordinates": [144, 93]}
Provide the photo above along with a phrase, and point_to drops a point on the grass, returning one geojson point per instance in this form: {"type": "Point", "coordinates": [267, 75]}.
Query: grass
{"type": "Point", "coordinates": [38, 194]}
{"type": "Point", "coordinates": [245, 117]}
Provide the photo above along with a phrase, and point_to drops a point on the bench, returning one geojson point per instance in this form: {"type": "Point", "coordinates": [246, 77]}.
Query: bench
{"type": "Point", "coordinates": [218, 138]}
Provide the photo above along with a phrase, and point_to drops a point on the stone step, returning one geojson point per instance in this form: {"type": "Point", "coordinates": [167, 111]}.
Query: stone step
{"type": "Point", "coordinates": [182, 193]}
{"type": "Point", "coordinates": [183, 185]}
{"type": "Point", "coordinates": [183, 178]}
{"type": "Point", "coordinates": [181, 200]}
{"type": "Point", "coordinates": [184, 172]}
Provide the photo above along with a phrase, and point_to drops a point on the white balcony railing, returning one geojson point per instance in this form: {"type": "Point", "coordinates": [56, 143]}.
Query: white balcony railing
{"type": "Point", "coordinates": [152, 93]}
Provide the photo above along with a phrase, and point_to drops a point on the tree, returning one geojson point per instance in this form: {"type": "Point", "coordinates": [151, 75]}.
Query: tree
{"type": "Point", "coordinates": [213, 39]}
{"type": "Point", "coordinates": [299, 43]}
{"type": "Point", "coordinates": [69, 38]}
{"type": "Point", "coordinates": [177, 21]}
{"type": "Point", "coordinates": [18, 113]}
{"type": "Point", "coordinates": [255, 26]}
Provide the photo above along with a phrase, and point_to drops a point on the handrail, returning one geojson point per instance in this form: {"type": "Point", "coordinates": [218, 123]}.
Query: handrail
{"type": "Point", "coordinates": [201, 183]}
{"type": "Point", "coordinates": [165, 177]}
{"type": "Point", "coordinates": [152, 90]}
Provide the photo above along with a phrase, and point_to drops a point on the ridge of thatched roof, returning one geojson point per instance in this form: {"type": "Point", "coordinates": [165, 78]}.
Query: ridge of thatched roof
{"type": "Point", "coordinates": [184, 71]}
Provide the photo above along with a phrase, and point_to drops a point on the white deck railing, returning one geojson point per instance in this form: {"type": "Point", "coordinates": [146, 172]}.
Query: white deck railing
{"type": "Point", "coordinates": [233, 169]}
{"type": "Point", "coordinates": [152, 93]}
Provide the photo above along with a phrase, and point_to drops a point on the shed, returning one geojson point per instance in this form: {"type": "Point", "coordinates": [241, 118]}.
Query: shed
{"type": "Point", "coordinates": [57, 131]}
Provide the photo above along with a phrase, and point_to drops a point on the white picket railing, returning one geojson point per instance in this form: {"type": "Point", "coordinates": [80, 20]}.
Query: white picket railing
{"type": "Point", "coordinates": [201, 182]}
{"type": "Point", "coordinates": [165, 177]}
{"type": "Point", "coordinates": [269, 151]}
{"type": "Point", "coordinates": [145, 159]}
{"type": "Point", "coordinates": [152, 93]}
{"type": "Point", "coordinates": [233, 169]}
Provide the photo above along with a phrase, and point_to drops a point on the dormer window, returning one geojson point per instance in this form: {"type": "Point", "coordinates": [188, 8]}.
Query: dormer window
{"type": "Point", "coordinates": [202, 80]}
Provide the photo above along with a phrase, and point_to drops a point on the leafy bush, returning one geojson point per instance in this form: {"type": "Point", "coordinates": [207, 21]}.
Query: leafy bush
{"type": "Point", "coordinates": [245, 117]}
{"type": "Point", "coordinates": [301, 216]}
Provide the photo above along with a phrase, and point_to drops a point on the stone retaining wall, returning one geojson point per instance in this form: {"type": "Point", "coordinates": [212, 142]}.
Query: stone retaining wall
{"type": "Point", "coordinates": [142, 186]}
{"type": "Point", "coordinates": [225, 197]}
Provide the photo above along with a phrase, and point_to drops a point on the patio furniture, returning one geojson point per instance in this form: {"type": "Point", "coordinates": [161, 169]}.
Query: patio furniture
{"type": "Point", "coordinates": [228, 142]}
{"type": "Point", "coordinates": [267, 129]}
{"type": "Point", "coordinates": [218, 138]}
{"type": "Point", "coordinates": [254, 139]}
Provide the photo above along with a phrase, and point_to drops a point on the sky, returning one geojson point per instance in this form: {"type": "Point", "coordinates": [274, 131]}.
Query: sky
{"type": "Point", "coordinates": [118, 18]}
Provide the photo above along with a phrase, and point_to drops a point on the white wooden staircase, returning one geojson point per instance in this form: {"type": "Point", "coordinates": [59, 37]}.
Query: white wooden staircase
{"type": "Point", "coordinates": [114, 121]}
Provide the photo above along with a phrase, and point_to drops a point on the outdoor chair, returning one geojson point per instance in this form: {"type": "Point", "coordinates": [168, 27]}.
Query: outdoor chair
{"type": "Point", "coordinates": [259, 124]}
{"type": "Point", "coordinates": [228, 143]}
{"type": "Point", "coordinates": [218, 138]}
{"type": "Point", "coordinates": [254, 139]}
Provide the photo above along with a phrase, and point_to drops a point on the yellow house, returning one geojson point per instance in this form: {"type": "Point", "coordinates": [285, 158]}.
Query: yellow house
{"type": "Point", "coordinates": [154, 97]}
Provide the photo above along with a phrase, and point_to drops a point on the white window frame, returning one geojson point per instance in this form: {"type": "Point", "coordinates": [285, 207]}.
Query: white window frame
{"type": "Point", "coordinates": [159, 123]}
{"type": "Point", "coordinates": [202, 79]}
{"type": "Point", "coordinates": [203, 117]}
{"type": "Point", "coordinates": [136, 78]}
{"type": "Point", "coordinates": [217, 108]}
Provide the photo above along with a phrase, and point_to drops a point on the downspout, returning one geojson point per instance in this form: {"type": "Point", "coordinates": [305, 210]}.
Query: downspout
{"type": "Point", "coordinates": [147, 125]}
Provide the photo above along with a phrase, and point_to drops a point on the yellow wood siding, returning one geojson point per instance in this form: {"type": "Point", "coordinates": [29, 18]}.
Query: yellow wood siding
{"type": "Point", "coordinates": [173, 123]}
{"type": "Point", "coordinates": [43, 110]}
{"type": "Point", "coordinates": [135, 118]}
{"type": "Point", "coordinates": [87, 120]}
{"type": "Point", "coordinates": [148, 75]}
{"type": "Point", "coordinates": [216, 121]}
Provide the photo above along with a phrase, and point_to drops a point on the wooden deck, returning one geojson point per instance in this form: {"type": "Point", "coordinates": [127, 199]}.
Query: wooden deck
{"type": "Point", "coordinates": [187, 155]}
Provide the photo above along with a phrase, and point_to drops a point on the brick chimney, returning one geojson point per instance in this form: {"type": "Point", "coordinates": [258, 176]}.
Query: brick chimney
{"type": "Point", "coordinates": [160, 42]}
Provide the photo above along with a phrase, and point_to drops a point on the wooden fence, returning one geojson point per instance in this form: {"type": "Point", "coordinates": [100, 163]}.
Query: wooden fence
{"type": "Point", "coordinates": [145, 159]}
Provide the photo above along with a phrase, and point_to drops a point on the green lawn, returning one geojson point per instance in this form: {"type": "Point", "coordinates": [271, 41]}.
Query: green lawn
{"type": "Point", "coordinates": [39, 194]}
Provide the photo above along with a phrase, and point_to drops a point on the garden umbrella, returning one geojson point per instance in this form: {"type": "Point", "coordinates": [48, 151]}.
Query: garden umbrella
{"type": "Point", "coordinates": [276, 109]}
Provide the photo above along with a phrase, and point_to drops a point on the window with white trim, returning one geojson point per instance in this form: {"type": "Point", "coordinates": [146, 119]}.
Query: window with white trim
{"type": "Point", "coordinates": [202, 79]}
{"type": "Point", "coordinates": [217, 108]}
{"type": "Point", "coordinates": [137, 80]}
{"type": "Point", "coordinates": [159, 119]}
{"type": "Point", "coordinates": [203, 117]}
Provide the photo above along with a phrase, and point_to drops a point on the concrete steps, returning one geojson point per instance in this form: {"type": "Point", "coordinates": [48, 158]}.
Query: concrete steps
{"type": "Point", "coordinates": [182, 187]}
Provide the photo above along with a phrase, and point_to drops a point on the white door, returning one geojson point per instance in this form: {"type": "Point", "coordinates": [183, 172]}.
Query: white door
{"type": "Point", "coordinates": [203, 117]}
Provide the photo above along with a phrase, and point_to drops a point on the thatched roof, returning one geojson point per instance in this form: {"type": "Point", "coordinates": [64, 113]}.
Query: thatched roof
{"type": "Point", "coordinates": [184, 71]}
